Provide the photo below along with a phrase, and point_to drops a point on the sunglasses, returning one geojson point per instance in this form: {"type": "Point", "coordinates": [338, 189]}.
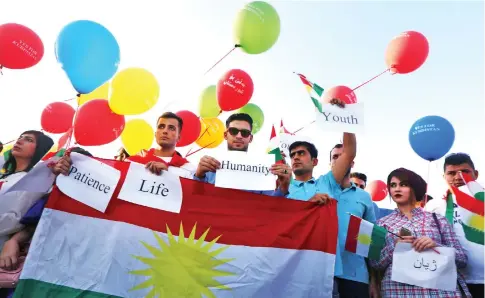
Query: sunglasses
{"type": "Point", "coordinates": [245, 133]}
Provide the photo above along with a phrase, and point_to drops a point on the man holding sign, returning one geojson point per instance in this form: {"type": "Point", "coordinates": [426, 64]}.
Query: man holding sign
{"type": "Point", "coordinates": [238, 136]}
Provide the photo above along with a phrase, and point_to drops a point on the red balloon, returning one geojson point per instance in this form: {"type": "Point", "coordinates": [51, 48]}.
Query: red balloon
{"type": "Point", "coordinates": [191, 129]}
{"type": "Point", "coordinates": [63, 140]}
{"type": "Point", "coordinates": [96, 124]}
{"type": "Point", "coordinates": [377, 190]}
{"type": "Point", "coordinates": [407, 52]}
{"type": "Point", "coordinates": [20, 47]}
{"type": "Point", "coordinates": [57, 117]}
{"type": "Point", "coordinates": [234, 90]}
{"type": "Point", "coordinates": [343, 93]}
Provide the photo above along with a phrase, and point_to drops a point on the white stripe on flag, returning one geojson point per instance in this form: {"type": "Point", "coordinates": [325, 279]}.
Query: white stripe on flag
{"type": "Point", "coordinates": [365, 229]}
{"type": "Point", "coordinates": [95, 254]}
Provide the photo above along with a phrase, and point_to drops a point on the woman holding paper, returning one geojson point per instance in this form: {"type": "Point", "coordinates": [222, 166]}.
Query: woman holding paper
{"type": "Point", "coordinates": [423, 230]}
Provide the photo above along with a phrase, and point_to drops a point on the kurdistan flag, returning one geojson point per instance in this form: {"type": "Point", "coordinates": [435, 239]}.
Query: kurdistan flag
{"type": "Point", "coordinates": [471, 210]}
{"type": "Point", "coordinates": [314, 90]}
{"type": "Point", "coordinates": [274, 146]}
{"type": "Point", "coordinates": [365, 238]}
{"type": "Point", "coordinates": [223, 243]}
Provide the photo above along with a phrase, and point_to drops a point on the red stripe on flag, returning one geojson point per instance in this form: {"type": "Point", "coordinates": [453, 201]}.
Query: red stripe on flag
{"type": "Point", "coordinates": [467, 178]}
{"type": "Point", "coordinates": [305, 81]}
{"type": "Point", "coordinates": [352, 234]}
{"type": "Point", "coordinates": [468, 202]}
{"type": "Point", "coordinates": [242, 218]}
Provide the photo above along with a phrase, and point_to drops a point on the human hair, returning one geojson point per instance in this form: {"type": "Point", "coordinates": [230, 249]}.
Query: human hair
{"type": "Point", "coordinates": [43, 145]}
{"type": "Point", "coordinates": [240, 117]}
{"type": "Point", "coordinates": [416, 182]}
{"type": "Point", "coordinates": [170, 115]}
{"type": "Point", "coordinates": [308, 146]}
{"type": "Point", "coordinates": [1, 146]}
{"type": "Point", "coordinates": [122, 154]}
{"type": "Point", "coordinates": [360, 176]}
{"type": "Point", "coordinates": [455, 159]}
{"type": "Point", "coordinates": [338, 146]}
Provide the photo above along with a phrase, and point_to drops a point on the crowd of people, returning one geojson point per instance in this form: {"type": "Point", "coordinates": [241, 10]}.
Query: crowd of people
{"type": "Point", "coordinates": [355, 276]}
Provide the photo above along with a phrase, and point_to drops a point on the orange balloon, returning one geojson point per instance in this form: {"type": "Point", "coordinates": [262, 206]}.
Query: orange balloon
{"type": "Point", "coordinates": [211, 133]}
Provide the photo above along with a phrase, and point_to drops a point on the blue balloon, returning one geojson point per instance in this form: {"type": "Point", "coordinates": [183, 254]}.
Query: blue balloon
{"type": "Point", "coordinates": [89, 54]}
{"type": "Point", "coordinates": [431, 137]}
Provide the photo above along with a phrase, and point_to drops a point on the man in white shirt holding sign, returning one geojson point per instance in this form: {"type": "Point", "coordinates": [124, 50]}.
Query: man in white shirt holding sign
{"type": "Point", "coordinates": [238, 136]}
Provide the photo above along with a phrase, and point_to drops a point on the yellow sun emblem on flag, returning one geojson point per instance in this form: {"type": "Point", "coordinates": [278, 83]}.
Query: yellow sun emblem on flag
{"type": "Point", "coordinates": [364, 239]}
{"type": "Point", "coordinates": [477, 222]}
{"type": "Point", "coordinates": [183, 267]}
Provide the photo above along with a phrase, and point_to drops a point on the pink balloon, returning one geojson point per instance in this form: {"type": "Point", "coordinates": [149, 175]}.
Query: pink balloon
{"type": "Point", "coordinates": [377, 190]}
{"type": "Point", "coordinates": [343, 93]}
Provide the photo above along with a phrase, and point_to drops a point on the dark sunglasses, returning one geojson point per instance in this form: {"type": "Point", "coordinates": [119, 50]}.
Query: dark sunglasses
{"type": "Point", "coordinates": [234, 132]}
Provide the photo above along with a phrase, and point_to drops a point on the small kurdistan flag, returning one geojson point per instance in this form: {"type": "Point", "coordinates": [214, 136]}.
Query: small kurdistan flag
{"type": "Point", "coordinates": [364, 238]}
{"type": "Point", "coordinates": [274, 146]}
{"type": "Point", "coordinates": [471, 210]}
{"type": "Point", "coordinates": [223, 243]}
{"type": "Point", "coordinates": [314, 90]}
{"type": "Point", "coordinates": [283, 128]}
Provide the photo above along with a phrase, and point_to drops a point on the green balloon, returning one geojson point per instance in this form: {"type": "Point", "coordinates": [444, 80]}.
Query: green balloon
{"type": "Point", "coordinates": [208, 106]}
{"type": "Point", "coordinates": [257, 27]}
{"type": "Point", "coordinates": [256, 113]}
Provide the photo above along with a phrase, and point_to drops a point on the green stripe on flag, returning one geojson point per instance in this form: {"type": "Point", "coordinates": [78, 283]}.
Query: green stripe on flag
{"type": "Point", "coordinates": [473, 235]}
{"type": "Point", "coordinates": [449, 208]}
{"type": "Point", "coordinates": [277, 154]}
{"type": "Point", "coordinates": [378, 240]}
{"type": "Point", "coordinates": [318, 89]}
{"type": "Point", "coordinates": [317, 104]}
{"type": "Point", "coordinates": [480, 196]}
{"type": "Point", "coordinates": [26, 287]}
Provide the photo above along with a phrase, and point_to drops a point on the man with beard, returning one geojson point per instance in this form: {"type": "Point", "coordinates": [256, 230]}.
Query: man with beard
{"type": "Point", "coordinates": [351, 275]}
{"type": "Point", "coordinates": [238, 136]}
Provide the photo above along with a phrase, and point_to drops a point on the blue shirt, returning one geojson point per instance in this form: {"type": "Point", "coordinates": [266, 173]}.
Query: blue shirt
{"type": "Point", "coordinates": [210, 177]}
{"type": "Point", "coordinates": [351, 200]}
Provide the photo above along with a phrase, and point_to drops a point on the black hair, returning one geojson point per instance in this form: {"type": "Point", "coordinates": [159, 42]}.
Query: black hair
{"type": "Point", "coordinates": [360, 176]}
{"type": "Point", "coordinates": [416, 182]}
{"type": "Point", "coordinates": [122, 154]}
{"type": "Point", "coordinates": [43, 145]}
{"type": "Point", "coordinates": [455, 159]}
{"type": "Point", "coordinates": [309, 147]}
{"type": "Point", "coordinates": [240, 117]}
{"type": "Point", "coordinates": [170, 115]}
{"type": "Point", "coordinates": [338, 146]}
{"type": "Point", "coordinates": [1, 146]}
{"type": "Point", "coordinates": [81, 151]}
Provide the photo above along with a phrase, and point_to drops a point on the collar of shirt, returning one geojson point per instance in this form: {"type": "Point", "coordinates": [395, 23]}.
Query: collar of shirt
{"type": "Point", "coordinates": [298, 183]}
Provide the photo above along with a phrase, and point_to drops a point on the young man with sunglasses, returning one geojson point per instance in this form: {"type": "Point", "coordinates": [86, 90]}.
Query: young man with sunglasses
{"type": "Point", "coordinates": [455, 164]}
{"type": "Point", "coordinates": [238, 136]}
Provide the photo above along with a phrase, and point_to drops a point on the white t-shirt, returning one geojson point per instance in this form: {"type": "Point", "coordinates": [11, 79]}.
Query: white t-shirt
{"type": "Point", "coordinates": [185, 171]}
{"type": "Point", "coordinates": [474, 271]}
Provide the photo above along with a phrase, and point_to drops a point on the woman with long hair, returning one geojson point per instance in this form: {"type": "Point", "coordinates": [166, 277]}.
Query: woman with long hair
{"type": "Point", "coordinates": [427, 230]}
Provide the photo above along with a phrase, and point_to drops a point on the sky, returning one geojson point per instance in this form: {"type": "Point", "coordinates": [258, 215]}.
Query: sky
{"type": "Point", "coordinates": [331, 42]}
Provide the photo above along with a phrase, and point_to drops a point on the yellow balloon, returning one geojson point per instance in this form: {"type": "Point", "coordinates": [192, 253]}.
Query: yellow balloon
{"type": "Point", "coordinates": [211, 133]}
{"type": "Point", "coordinates": [133, 91]}
{"type": "Point", "coordinates": [136, 136]}
{"type": "Point", "coordinates": [101, 92]}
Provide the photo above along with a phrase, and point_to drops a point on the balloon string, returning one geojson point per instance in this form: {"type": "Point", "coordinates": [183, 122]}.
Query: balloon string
{"type": "Point", "coordinates": [368, 81]}
{"type": "Point", "coordinates": [200, 149]}
{"type": "Point", "coordinates": [190, 150]}
{"type": "Point", "coordinates": [235, 47]}
{"type": "Point", "coordinates": [303, 127]}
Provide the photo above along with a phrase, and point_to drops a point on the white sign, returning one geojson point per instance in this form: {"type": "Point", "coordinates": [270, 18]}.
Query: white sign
{"type": "Point", "coordinates": [426, 269]}
{"type": "Point", "coordinates": [90, 182]}
{"type": "Point", "coordinates": [162, 192]}
{"type": "Point", "coordinates": [349, 119]}
{"type": "Point", "coordinates": [240, 170]}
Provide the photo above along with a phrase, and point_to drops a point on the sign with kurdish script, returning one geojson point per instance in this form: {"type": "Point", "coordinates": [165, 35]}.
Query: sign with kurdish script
{"type": "Point", "coordinates": [89, 181]}
{"type": "Point", "coordinates": [426, 269]}
{"type": "Point", "coordinates": [240, 170]}
{"type": "Point", "coordinates": [162, 192]}
{"type": "Point", "coordinates": [349, 119]}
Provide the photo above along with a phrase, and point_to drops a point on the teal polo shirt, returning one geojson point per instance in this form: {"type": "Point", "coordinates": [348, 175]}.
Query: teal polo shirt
{"type": "Point", "coordinates": [351, 200]}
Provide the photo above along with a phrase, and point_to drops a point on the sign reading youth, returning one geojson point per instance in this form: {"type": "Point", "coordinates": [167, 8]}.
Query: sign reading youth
{"type": "Point", "coordinates": [89, 181]}
{"type": "Point", "coordinates": [349, 119]}
{"type": "Point", "coordinates": [240, 170]}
